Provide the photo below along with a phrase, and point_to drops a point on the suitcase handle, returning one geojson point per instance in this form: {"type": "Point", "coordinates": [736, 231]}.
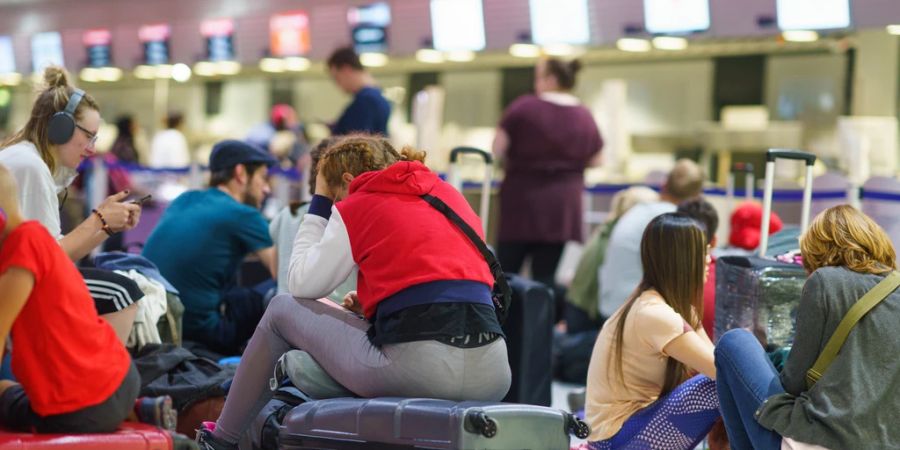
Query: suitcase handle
{"type": "Point", "coordinates": [780, 153]}
{"type": "Point", "coordinates": [454, 154]}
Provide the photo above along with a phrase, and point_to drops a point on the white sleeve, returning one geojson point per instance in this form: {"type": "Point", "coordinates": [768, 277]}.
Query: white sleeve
{"type": "Point", "coordinates": [321, 258]}
{"type": "Point", "coordinates": [37, 197]}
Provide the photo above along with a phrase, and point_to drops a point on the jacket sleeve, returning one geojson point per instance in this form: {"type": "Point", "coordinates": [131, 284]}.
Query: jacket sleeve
{"type": "Point", "coordinates": [321, 258]}
{"type": "Point", "coordinates": [810, 335]}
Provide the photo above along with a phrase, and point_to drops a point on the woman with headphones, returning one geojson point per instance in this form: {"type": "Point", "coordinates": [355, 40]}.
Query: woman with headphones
{"type": "Point", "coordinates": [43, 156]}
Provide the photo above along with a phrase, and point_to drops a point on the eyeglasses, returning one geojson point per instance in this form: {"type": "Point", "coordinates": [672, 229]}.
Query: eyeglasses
{"type": "Point", "coordinates": [91, 136]}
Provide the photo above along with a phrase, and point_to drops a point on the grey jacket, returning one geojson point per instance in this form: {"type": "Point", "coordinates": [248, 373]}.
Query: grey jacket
{"type": "Point", "coordinates": [856, 403]}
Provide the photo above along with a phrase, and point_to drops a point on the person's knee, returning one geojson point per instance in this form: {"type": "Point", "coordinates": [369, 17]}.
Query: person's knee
{"type": "Point", "coordinates": [734, 342]}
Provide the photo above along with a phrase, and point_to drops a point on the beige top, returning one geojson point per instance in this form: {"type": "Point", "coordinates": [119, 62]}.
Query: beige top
{"type": "Point", "coordinates": [650, 326]}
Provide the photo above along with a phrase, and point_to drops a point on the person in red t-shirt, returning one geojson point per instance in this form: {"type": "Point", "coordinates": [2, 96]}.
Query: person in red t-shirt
{"type": "Point", "coordinates": [76, 377]}
{"type": "Point", "coordinates": [704, 212]}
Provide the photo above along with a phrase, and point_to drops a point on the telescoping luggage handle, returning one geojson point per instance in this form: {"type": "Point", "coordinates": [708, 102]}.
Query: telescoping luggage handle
{"type": "Point", "coordinates": [455, 181]}
{"type": "Point", "coordinates": [771, 156]}
{"type": "Point", "coordinates": [749, 182]}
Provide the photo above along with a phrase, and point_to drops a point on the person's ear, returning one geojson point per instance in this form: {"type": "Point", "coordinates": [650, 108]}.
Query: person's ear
{"type": "Point", "coordinates": [347, 178]}
{"type": "Point", "coordinates": [240, 173]}
{"type": "Point", "coordinates": [714, 242]}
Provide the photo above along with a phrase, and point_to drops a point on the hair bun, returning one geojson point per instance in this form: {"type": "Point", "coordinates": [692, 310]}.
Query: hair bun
{"type": "Point", "coordinates": [574, 66]}
{"type": "Point", "coordinates": [55, 77]}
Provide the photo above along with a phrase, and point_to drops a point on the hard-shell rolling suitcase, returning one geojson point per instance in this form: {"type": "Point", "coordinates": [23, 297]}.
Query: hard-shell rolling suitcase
{"type": "Point", "coordinates": [397, 423]}
{"type": "Point", "coordinates": [761, 293]}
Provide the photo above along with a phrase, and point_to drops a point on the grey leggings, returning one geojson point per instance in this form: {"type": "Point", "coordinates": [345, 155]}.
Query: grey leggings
{"type": "Point", "coordinates": [337, 339]}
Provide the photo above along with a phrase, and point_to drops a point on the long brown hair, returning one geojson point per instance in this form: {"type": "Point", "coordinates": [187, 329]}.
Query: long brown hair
{"type": "Point", "coordinates": [358, 153]}
{"type": "Point", "coordinates": [52, 99]}
{"type": "Point", "coordinates": [673, 256]}
{"type": "Point", "coordinates": [843, 236]}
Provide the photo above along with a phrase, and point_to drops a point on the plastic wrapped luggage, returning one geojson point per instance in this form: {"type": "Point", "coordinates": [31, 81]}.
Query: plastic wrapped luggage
{"type": "Point", "coordinates": [759, 293]}
{"type": "Point", "coordinates": [395, 423]}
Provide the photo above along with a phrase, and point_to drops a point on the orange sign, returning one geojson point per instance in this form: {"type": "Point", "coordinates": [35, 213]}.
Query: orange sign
{"type": "Point", "coordinates": [289, 34]}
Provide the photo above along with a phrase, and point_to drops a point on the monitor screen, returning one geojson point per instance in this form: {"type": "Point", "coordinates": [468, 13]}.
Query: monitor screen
{"type": "Point", "coordinates": [368, 26]}
{"type": "Point", "coordinates": [219, 36]}
{"type": "Point", "coordinates": [457, 25]}
{"type": "Point", "coordinates": [7, 57]}
{"type": "Point", "coordinates": [98, 42]}
{"type": "Point", "coordinates": [46, 50]}
{"type": "Point", "coordinates": [289, 34]}
{"type": "Point", "coordinates": [676, 16]}
{"type": "Point", "coordinates": [560, 22]}
{"type": "Point", "coordinates": [155, 39]}
{"type": "Point", "coordinates": [813, 14]}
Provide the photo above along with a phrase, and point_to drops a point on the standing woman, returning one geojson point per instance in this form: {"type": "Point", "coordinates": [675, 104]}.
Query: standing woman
{"type": "Point", "coordinates": [545, 141]}
{"type": "Point", "coordinates": [43, 156]}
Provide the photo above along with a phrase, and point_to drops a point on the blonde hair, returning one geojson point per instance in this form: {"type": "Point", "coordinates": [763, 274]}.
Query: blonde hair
{"type": "Point", "coordinates": [51, 99]}
{"type": "Point", "coordinates": [843, 236]}
{"type": "Point", "coordinates": [359, 153]}
{"type": "Point", "coordinates": [626, 199]}
{"type": "Point", "coordinates": [685, 181]}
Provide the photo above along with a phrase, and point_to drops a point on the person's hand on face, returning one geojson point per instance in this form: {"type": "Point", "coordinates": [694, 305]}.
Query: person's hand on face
{"type": "Point", "coordinates": [118, 215]}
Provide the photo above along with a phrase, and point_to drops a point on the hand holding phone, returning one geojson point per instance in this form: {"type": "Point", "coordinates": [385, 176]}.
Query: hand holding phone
{"type": "Point", "coordinates": [142, 200]}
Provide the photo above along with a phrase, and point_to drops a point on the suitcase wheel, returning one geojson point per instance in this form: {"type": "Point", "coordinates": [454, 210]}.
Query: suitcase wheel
{"type": "Point", "coordinates": [479, 422]}
{"type": "Point", "coordinates": [577, 427]}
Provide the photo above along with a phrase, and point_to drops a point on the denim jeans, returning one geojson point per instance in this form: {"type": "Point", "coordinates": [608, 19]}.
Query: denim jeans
{"type": "Point", "coordinates": [745, 378]}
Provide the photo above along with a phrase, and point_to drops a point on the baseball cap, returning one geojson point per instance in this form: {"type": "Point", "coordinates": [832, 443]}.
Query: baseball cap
{"type": "Point", "coordinates": [230, 153]}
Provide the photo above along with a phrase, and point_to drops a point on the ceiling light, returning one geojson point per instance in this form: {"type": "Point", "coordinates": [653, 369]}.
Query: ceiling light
{"type": "Point", "coordinates": [10, 79]}
{"type": "Point", "coordinates": [228, 67]}
{"type": "Point", "coordinates": [525, 50]}
{"type": "Point", "coordinates": [296, 63]}
{"type": "Point", "coordinates": [559, 49]}
{"type": "Point", "coordinates": [800, 36]}
{"type": "Point", "coordinates": [145, 72]}
{"type": "Point", "coordinates": [272, 65]}
{"type": "Point", "coordinates": [373, 59]}
{"type": "Point", "coordinates": [110, 73]}
{"type": "Point", "coordinates": [893, 29]}
{"type": "Point", "coordinates": [165, 70]}
{"type": "Point", "coordinates": [206, 69]}
{"type": "Point", "coordinates": [460, 56]}
{"type": "Point", "coordinates": [633, 45]}
{"type": "Point", "coordinates": [181, 72]}
{"type": "Point", "coordinates": [90, 75]}
{"type": "Point", "coordinates": [670, 43]}
{"type": "Point", "coordinates": [429, 56]}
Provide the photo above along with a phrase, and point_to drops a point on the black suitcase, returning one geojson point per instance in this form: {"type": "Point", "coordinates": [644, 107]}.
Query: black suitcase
{"type": "Point", "coordinates": [529, 341]}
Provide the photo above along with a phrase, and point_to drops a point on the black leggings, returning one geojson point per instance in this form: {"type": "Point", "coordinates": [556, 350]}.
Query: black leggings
{"type": "Point", "coordinates": [545, 258]}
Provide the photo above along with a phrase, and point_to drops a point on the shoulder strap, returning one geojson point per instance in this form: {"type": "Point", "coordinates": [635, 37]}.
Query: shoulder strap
{"type": "Point", "coordinates": [872, 298]}
{"type": "Point", "coordinates": [500, 304]}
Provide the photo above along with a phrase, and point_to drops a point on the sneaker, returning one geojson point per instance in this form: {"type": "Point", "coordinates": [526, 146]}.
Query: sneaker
{"type": "Point", "coordinates": [207, 441]}
{"type": "Point", "coordinates": [156, 411]}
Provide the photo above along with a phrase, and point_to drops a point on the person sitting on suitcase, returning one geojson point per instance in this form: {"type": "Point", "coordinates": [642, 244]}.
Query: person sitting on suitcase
{"type": "Point", "coordinates": [429, 327]}
{"type": "Point", "coordinates": [639, 390]}
{"type": "Point", "coordinates": [856, 401]}
{"type": "Point", "coordinates": [75, 374]}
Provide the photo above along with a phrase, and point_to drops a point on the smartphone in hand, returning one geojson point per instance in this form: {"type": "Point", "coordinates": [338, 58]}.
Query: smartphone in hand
{"type": "Point", "coordinates": [142, 200]}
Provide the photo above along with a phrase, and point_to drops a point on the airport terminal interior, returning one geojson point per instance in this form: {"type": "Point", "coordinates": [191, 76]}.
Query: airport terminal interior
{"type": "Point", "coordinates": [640, 224]}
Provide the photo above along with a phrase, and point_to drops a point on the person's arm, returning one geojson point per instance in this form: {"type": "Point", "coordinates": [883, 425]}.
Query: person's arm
{"type": "Point", "coordinates": [809, 336]}
{"type": "Point", "coordinates": [16, 285]}
{"type": "Point", "coordinates": [693, 349]}
{"type": "Point", "coordinates": [500, 146]}
{"type": "Point", "coordinates": [269, 257]}
{"type": "Point", "coordinates": [321, 258]}
{"type": "Point", "coordinates": [119, 216]}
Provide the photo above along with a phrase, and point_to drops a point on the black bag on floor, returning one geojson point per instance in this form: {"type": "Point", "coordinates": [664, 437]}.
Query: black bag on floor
{"type": "Point", "coordinates": [529, 341]}
{"type": "Point", "coordinates": [174, 371]}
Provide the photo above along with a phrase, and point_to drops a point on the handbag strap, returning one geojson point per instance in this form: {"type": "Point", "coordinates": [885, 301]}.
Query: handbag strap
{"type": "Point", "coordinates": [871, 299]}
{"type": "Point", "coordinates": [501, 305]}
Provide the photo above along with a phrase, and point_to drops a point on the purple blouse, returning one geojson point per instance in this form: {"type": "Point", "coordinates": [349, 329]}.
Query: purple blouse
{"type": "Point", "coordinates": [550, 145]}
